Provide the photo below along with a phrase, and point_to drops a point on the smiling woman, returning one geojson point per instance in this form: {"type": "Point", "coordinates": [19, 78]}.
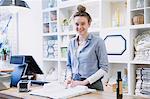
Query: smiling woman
{"type": "Point", "coordinates": [87, 61]}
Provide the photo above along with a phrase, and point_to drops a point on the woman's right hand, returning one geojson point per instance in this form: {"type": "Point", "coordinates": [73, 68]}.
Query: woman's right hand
{"type": "Point", "coordinates": [68, 82]}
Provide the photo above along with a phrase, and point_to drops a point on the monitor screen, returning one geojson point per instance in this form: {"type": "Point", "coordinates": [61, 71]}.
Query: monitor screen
{"type": "Point", "coordinates": [17, 59]}
{"type": "Point", "coordinates": [32, 66]}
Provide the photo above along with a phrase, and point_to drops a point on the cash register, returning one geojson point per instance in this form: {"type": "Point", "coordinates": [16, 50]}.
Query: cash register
{"type": "Point", "coordinates": [27, 68]}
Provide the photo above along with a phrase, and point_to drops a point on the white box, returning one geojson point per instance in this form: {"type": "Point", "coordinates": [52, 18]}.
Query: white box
{"type": "Point", "coordinates": [5, 80]}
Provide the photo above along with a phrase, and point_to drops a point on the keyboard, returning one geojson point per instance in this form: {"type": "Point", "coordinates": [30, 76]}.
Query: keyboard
{"type": "Point", "coordinates": [38, 82]}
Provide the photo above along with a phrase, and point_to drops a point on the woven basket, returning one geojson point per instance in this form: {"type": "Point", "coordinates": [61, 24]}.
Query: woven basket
{"type": "Point", "coordinates": [138, 19]}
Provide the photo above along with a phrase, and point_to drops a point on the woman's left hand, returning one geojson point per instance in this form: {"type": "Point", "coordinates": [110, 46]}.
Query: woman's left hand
{"type": "Point", "coordinates": [75, 83]}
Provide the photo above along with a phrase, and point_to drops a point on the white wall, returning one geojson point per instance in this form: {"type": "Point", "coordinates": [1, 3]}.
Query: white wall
{"type": "Point", "coordinates": [30, 31]}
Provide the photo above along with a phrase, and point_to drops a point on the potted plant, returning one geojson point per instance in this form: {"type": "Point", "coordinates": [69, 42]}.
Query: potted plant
{"type": "Point", "coordinates": [66, 25]}
{"type": "Point", "coordinates": [66, 22]}
{"type": "Point", "coordinates": [4, 49]}
{"type": "Point", "coordinates": [4, 52]}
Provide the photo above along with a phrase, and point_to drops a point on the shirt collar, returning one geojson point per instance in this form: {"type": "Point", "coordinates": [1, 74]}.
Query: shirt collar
{"type": "Point", "coordinates": [88, 38]}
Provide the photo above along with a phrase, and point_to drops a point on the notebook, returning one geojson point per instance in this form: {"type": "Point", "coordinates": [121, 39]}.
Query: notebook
{"type": "Point", "coordinates": [58, 91]}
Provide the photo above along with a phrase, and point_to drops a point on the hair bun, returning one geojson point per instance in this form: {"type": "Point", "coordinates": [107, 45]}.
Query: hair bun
{"type": "Point", "coordinates": [81, 8]}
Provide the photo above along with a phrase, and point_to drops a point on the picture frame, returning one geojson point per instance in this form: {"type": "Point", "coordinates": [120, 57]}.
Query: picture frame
{"type": "Point", "coordinates": [8, 33]}
{"type": "Point", "coordinates": [112, 48]}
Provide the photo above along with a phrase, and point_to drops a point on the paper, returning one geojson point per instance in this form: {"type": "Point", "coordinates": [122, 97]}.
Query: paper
{"type": "Point", "coordinates": [58, 91]}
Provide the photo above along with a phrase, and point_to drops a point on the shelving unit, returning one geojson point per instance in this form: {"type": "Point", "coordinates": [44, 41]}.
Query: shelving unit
{"type": "Point", "coordinates": [58, 30]}
{"type": "Point", "coordinates": [136, 30]}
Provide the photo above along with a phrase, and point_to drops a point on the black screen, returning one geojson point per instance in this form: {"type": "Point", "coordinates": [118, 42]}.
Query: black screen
{"type": "Point", "coordinates": [23, 85]}
{"type": "Point", "coordinates": [32, 66]}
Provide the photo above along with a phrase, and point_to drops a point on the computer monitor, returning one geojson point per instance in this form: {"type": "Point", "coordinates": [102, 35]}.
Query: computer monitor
{"type": "Point", "coordinates": [25, 66]}
{"type": "Point", "coordinates": [32, 66]}
{"type": "Point", "coordinates": [17, 59]}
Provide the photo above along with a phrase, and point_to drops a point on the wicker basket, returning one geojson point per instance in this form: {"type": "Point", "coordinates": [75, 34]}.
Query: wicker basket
{"type": "Point", "coordinates": [138, 19]}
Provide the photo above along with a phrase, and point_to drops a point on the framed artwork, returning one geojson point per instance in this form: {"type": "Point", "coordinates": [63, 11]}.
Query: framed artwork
{"type": "Point", "coordinates": [115, 44]}
{"type": "Point", "coordinates": [8, 34]}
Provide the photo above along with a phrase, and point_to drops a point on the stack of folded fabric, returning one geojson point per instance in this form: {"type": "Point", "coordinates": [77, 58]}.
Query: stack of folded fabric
{"type": "Point", "coordinates": [138, 81]}
{"type": "Point", "coordinates": [143, 81]}
{"type": "Point", "coordinates": [142, 46]}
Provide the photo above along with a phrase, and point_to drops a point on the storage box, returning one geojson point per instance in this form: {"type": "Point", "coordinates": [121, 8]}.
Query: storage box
{"type": "Point", "coordinates": [5, 80]}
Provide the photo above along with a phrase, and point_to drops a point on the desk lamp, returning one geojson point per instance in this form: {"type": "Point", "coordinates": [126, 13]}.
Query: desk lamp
{"type": "Point", "coordinates": [17, 3]}
{"type": "Point", "coordinates": [13, 6]}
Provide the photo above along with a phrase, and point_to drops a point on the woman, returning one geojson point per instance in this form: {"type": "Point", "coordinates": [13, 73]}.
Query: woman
{"type": "Point", "coordinates": [87, 57]}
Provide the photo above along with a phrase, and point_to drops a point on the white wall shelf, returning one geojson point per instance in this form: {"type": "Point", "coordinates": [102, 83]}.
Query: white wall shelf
{"type": "Point", "coordinates": [48, 59]}
{"type": "Point", "coordinates": [140, 26]}
{"type": "Point", "coordinates": [68, 33]}
{"type": "Point", "coordinates": [118, 62]}
{"type": "Point", "coordinates": [140, 62]}
{"type": "Point", "coordinates": [49, 34]}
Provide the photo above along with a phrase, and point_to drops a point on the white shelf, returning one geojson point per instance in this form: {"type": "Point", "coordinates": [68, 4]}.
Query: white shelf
{"type": "Point", "coordinates": [147, 7]}
{"type": "Point", "coordinates": [140, 26]}
{"type": "Point", "coordinates": [68, 3]}
{"type": "Point", "coordinates": [63, 59]}
{"type": "Point", "coordinates": [119, 62]}
{"type": "Point", "coordinates": [114, 28]}
{"type": "Point", "coordinates": [115, 0]}
{"type": "Point", "coordinates": [145, 96]}
{"type": "Point", "coordinates": [48, 59]}
{"type": "Point", "coordinates": [49, 9]}
{"type": "Point", "coordinates": [140, 62]}
{"type": "Point", "coordinates": [68, 33]}
{"type": "Point", "coordinates": [50, 34]}
{"type": "Point", "coordinates": [137, 9]}
{"type": "Point", "coordinates": [87, 1]}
